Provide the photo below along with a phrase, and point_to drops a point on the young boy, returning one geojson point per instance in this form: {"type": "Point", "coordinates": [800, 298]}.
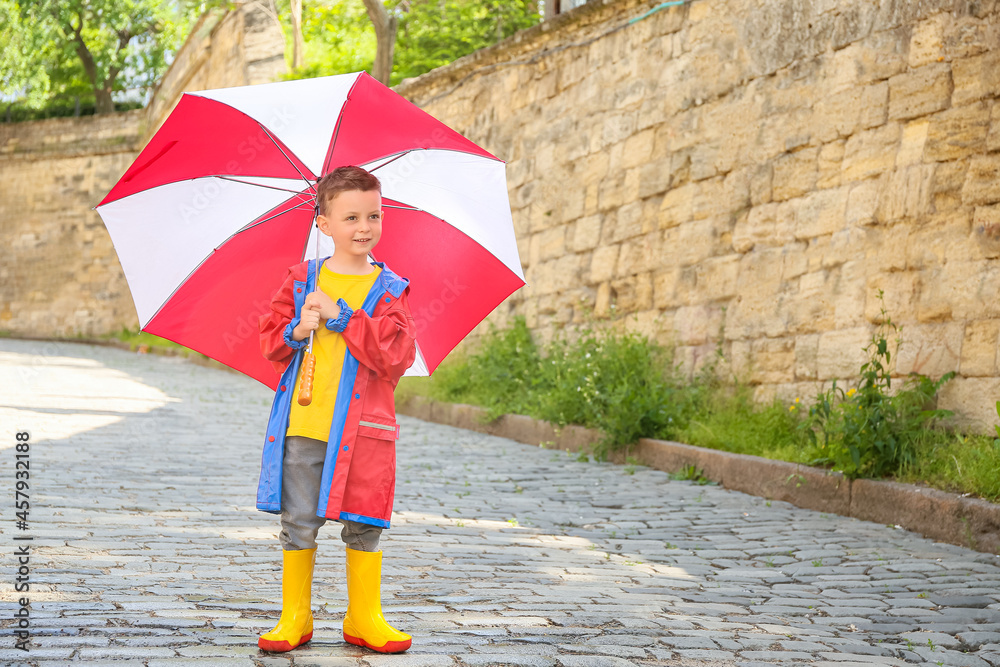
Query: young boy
{"type": "Point", "coordinates": [335, 458]}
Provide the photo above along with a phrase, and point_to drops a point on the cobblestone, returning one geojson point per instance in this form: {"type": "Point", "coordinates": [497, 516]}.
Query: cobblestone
{"type": "Point", "coordinates": [147, 549]}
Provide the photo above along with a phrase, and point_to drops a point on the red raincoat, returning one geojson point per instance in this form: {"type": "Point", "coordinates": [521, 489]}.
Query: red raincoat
{"type": "Point", "coordinates": [359, 473]}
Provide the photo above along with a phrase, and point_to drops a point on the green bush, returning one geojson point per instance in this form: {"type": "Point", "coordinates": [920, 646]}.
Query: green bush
{"type": "Point", "coordinates": [620, 383]}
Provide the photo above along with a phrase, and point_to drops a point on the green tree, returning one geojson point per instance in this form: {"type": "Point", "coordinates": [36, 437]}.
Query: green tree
{"type": "Point", "coordinates": [436, 32]}
{"type": "Point", "coordinates": [92, 48]}
{"type": "Point", "coordinates": [340, 37]}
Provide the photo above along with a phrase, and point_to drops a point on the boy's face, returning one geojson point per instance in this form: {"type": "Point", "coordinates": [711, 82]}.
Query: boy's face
{"type": "Point", "coordinates": [354, 221]}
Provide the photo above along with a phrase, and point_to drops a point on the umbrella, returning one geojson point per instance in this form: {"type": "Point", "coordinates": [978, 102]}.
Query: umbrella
{"type": "Point", "coordinates": [220, 203]}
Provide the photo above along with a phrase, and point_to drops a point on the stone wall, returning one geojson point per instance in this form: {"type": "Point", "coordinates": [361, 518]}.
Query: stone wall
{"type": "Point", "coordinates": [59, 271]}
{"type": "Point", "coordinates": [760, 168]}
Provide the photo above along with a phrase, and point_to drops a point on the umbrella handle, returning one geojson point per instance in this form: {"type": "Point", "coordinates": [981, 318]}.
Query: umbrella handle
{"type": "Point", "coordinates": [306, 389]}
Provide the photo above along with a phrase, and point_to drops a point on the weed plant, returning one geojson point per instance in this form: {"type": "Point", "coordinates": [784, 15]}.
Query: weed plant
{"type": "Point", "coordinates": [871, 431]}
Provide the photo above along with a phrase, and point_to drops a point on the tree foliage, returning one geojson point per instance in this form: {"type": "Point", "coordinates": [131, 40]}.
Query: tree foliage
{"type": "Point", "coordinates": [92, 49]}
{"type": "Point", "coordinates": [340, 38]}
{"type": "Point", "coordinates": [434, 33]}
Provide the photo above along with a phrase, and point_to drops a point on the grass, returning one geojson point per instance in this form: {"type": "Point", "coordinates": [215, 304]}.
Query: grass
{"type": "Point", "coordinates": [627, 387]}
{"type": "Point", "coordinates": [135, 338]}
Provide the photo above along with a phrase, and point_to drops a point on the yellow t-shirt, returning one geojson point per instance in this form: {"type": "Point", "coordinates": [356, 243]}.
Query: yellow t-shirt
{"type": "Point", "coordinates": [313, 420]}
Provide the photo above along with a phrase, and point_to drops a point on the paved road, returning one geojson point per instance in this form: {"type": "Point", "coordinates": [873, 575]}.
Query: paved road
{"type": "Point", "coordinates": [146, 548]}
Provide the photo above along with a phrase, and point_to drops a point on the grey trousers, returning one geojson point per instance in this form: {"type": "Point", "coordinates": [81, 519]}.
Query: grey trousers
{"type": "Point", "coordinates": [301, 469]}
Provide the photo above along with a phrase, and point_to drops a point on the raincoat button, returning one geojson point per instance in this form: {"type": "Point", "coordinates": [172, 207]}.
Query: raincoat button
{"type": "Point", "coordinates": [271, 439]}
{"type": "Point", "coordinates": [387, 299]}
{"type": "Point", "coordinates": [346, 448]}
{"type": "Point", "coordinates": [357, 396]}
{"type": "Point", "coordinates": [298, 290]}
{"type": "Point", "coordinates": [282, 387]}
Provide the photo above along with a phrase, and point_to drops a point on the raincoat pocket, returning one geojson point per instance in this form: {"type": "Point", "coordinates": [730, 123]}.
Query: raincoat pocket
{"type": "Point", "coordinates": [378, 428]}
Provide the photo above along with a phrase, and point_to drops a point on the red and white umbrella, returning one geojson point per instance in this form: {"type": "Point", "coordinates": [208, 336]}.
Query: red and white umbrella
{"type": "Point", "coordinates": [220, 203]}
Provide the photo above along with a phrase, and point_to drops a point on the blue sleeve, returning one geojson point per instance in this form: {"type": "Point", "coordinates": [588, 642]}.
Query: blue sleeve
{"type": "Point", "coordinates": [340, 323]}
{"type": "Point", "coordinates": [289, 341]}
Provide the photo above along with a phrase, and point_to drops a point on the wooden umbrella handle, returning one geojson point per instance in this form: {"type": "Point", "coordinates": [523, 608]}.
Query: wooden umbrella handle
{"type": "Point", "coordinates": [306, 388]}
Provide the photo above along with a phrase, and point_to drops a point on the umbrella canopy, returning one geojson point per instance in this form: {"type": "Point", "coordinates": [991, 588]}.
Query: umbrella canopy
{"type": "Point", "coordinates": [220, 203]}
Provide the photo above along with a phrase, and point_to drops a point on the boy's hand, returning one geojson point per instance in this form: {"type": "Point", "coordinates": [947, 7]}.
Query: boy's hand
{"type": "Point", "coordinates": [323, 304]}
{"type": "Point", "coordinates": [308, 321]}
{"type": "Point", "coordinates": [317, 306]}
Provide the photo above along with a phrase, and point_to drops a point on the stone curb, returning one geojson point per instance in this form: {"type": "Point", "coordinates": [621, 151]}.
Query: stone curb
{"type": "Point", "coordinates": [940, 516]}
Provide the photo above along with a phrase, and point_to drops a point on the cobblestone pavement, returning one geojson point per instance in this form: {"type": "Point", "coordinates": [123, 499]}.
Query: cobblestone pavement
{"type": "Point", "coordinates": [146, 548]}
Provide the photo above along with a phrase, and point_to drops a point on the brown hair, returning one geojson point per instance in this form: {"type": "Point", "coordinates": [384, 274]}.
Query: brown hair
{"type": "Point", "coordinates": [343, 179]}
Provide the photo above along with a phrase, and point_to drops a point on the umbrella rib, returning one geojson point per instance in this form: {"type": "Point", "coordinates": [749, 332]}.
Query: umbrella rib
{"type": "Point", "coordinates": [388, 162]}
{"type": "Point", "coordinates": [261, 222]}
{"type": "Point", "coordinates": [295, 166]}
{"type": "Point", "coordinates": [259, 185]}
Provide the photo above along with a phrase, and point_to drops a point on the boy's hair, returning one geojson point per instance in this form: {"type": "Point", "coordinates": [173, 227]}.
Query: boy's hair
{"type": "Point", "coordinates": [343, 179]}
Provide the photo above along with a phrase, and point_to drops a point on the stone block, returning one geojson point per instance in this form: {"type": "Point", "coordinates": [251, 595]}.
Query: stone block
{"type": "Point", "coordinates": [908, 194]}
{"type": "Point", "coordinates": [829, 164]}
{"type": "Point", "coordinates": [957, 133]}
{"type": "Point", "coordinates": [993, 136]}
{"type": "Point", "coordinates": [654, 178]}
{"type": "Point", "coordinates": [920, 92]}
{"type": "Point", "coordinates": [871, 152]}
{"type": "Point", "coordinates": [901, 290]}
{"type": "Point", "coordinates": [930, 349]}
{"type": "Point", "coordinates": [821, 212]}
{"type": "Point", "coordinates": [678, 205]}
{"type": "Point", "coordinates": [632, 294]}
{"type": "Point", "coordinates": [982, 181]}
{"type": "Point", "coordinates": [863, 201]}
{"type": "Point", "coordinates": [638, 149]}
{"type": "Point", "coordinates": [718, 277]}
{"type": "Point", "coordinates": [795, 174]}
{"type": "Point", "coordinates": [641, 255]}
{"type": "Point", "coordinates": [625, 223]}
{"type": "Point", "coordinates": [927, 41]}
{"type": "Point", "coordinates": [697, 325]}
{"type": "Point", "coordinates": [557, 275]}
{"type": "Point", "coordinates": [585, 234]}
{"type": "Point", "coordinates": [911, 147]}
{"type": "Point", "coordinates": [973, 399]}
{"type": "Point", "coordinates": [841, 353]}
{"type": "Point", "coordinates": [772, 360]}
{"type": "Point", "coordinates": [602, 263]}
{"type": "Point", "coordinates": [806, 356]}
{"type": "Point", "coordinates": [947, 186]}
{"type": "Point", "coordinates": [979, 348]}
{"type": "Point", "coordinates": [986, 230]}
{"type": "Point", "coordinates": [976, 78]}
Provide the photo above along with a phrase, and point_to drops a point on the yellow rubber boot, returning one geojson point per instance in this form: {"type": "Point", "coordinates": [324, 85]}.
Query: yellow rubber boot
{"type": "Point", "coordinates": [364, 624]}
{"type": "Point", "coordinates": [295, 627]}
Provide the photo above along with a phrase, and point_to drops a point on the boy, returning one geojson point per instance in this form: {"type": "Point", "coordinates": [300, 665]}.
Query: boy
{"type": "Point", "coordinates": [335, 458]}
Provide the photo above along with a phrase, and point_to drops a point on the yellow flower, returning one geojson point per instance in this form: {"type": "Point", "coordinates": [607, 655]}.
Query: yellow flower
{"type": "Point", "coordinates": [791, 408]}
{"type": "Point", "coordinates": [851, 392]}
{"type": "Point", "coordinates": [797, 400]}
